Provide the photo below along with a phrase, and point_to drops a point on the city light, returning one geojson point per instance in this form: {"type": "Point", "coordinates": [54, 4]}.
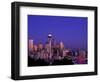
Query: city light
{"type": "Point", "coordinates": [54, 54]}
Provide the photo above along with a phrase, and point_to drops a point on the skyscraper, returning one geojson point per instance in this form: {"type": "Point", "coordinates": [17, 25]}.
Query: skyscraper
{"type": "Point", "coordinates": [40, 46]}
{"type": "Point", "coordinates": [61, 45]}
{"type": "Point", "coordinates": [30, 45]}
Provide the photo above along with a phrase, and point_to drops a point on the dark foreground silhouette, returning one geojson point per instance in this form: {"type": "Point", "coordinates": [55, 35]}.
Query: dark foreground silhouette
{"type": "Point", "coordinates": [41, 62]}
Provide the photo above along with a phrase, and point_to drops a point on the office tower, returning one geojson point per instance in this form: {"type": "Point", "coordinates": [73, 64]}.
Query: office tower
{"type": "Point", "coordinates": [47, 47]}
{"type": "Point", "coordinates": [61, 45]}
{"type": "Point", "coordinates": [31, 45]}
{"type": "Point", "coordinates": [35, 47]}
{"type": "Point", "coordinates": [40, 46]}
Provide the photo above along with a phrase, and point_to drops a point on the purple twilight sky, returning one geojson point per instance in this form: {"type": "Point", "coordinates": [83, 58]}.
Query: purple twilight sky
{"type": "Point", "coordinates": [71, 30]}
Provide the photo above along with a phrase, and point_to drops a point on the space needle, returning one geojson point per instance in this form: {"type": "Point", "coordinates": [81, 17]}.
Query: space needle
{"type": "Point", "coordinates": [50, 42]}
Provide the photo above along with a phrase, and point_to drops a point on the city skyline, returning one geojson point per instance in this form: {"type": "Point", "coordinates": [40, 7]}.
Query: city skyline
{"type": "Point", "coordinates": [54, 54]}
{"type": "Point", "coordinates": [72, 31]}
